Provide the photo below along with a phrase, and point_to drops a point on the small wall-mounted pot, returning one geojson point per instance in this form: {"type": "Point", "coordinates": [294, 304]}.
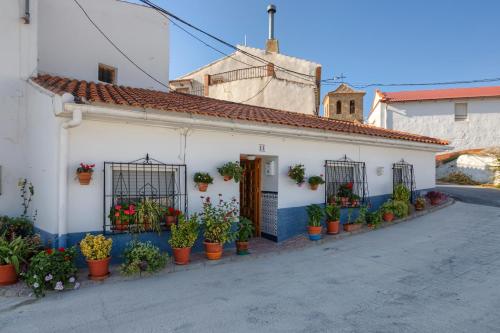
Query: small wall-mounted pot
{"type": "Point", "coordinates": [84, 177]}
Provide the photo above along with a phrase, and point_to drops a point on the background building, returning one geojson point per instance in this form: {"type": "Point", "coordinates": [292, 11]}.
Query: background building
{"type": "Point", "coordinates": [344, 103]}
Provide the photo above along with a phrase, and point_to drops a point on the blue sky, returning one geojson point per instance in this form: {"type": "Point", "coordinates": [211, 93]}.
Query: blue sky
{"type": "Point", "coordinates": [369, 41]}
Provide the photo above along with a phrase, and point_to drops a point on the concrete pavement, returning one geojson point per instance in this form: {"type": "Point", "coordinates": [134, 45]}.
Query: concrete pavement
{"type": "Point", "coordinates": [437, 273]}
{"type": "Point", "coordinates": [473, 194]}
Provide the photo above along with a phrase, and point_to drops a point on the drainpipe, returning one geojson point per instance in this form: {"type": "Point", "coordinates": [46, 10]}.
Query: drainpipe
{"type": "Point", "coordinates": [76, 120]}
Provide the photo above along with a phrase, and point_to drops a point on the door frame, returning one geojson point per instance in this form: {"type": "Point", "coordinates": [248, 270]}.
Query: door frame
{"type": "Point", "coordinates": [257, 184]}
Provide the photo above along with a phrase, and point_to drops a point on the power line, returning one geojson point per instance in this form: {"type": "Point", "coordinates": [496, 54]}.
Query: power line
{"type": "Point", "coordinates": [118, 49]}
{"type": "Point", "coordinates": [260, 91]}
{"type": "Point", "coordinates": [366, 85]}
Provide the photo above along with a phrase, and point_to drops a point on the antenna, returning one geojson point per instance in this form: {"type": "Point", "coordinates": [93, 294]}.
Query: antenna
{"type": "Point", "coordinates": [245, 39]}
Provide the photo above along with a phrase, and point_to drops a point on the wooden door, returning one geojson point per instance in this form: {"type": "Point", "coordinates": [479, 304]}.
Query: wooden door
{"type": "Point", "coordinates": [250, 188]}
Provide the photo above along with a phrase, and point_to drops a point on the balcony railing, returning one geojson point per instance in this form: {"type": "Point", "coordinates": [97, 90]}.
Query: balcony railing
{"type": "Point", "coordinates": [240, 74]}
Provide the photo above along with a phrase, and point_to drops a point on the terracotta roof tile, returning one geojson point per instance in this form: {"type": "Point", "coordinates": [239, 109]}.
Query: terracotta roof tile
{"type": "Point", "coordinates": [437, 94]}
{"type": "Point", "coordinates": [179, 102]}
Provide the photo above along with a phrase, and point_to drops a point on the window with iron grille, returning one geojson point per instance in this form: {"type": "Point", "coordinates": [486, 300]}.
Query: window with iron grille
{"type": "Point", "coordinates": [402, 173]}
{"type": "Point", "coordinates": [133, 182]}
{"type": "Point", "coordinates": [345, 173]}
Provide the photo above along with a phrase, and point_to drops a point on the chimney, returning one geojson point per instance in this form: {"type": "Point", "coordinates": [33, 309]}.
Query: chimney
{"type": "Point", "coordinates": [271, 44]}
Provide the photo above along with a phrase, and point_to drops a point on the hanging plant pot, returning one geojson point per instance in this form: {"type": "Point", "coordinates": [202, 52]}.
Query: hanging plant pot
{"type": "Point", "coordinates": [314, 187]}
{"type": "Point", "coordinates": [314, 232]}
{"type": "Point", "coordinates": [202, 187]}
{"type": "Point", "coordinates": [84, 177]}
{"type": "Point", "coordinates": [181, 255]}
{"type": "Point", "coordinates": [98, 269]}
{"type": "Point", "coordinates": [332, 227]}
{"type": "Point", "coordinates": [213, 251]}
{"type": "Point", "coordinates": [350, 227]}
{"type": "Point", "coordinates": [227, 178]}
{"type": "Point", "coordinates": [242, 248]}
{"type": "Point", "coordinates": [8, 275]}
{"type": "Point", "coordinates": [388, 216]}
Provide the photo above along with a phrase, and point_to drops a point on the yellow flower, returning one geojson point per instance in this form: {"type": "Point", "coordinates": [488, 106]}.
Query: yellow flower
{"type": "Point", "coordinates": [96, 247]}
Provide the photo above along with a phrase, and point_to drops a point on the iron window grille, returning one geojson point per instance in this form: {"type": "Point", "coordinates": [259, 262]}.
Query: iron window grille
{"type": "Point", "coordinates": [342, 172]}
{"type": "Point", "coordinates": [146, 178]}
{"type": "Point", "coordinates": [402, 173]}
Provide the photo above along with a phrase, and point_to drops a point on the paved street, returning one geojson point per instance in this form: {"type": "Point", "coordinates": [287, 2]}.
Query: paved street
{"type": "Point", "coordinates": [473, 194]}
{"type": "Point", "coordinates": [438, 273]}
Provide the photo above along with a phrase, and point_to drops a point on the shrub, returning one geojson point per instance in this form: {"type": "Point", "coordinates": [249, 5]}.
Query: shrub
{"type": "Point", "coordinates": [400, 208]}
{"type": "Point", "coordinates": [245, 229]}
{"type": "Point", "coordinates": [361, 219]}
{"type": "Point", "coordinates": [141, 257]}
{"type": "Point", "coordinates": [316, 180]}
{"type": "Point", "coordinates": [332, 212]}
{"type": "Point", "coordinates": [297, 173]}
{"type": "Point", "coordinates": [96, 247]}
{"type": "Point", "coordinates": [231, 169]}
{"type": "Point", "coordinates": [374, 218]}
{"type": "Point", "coordinates": [185, 232]}
{"type": "Point", "coordinates": [218, 220]}
{"type": "Point", "coordinates": [11, 227]}
{"type": "Point", "coordinates": [458, 177]}
{"type": "Point", "coordinates": [315, 214]}
{"type": "Point", "coordinates": [401, 193]}
{"type": "Point", "coordinates": [52, 270]}
{"type": "Point", "coordinates": [203, 177]}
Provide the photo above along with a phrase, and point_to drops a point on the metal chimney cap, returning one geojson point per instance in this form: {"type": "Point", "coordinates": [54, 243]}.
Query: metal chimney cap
{"type": "Point", "coordinates": [271, 9]}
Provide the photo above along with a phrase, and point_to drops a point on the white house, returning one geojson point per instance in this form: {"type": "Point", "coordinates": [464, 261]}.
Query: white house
{"type": "Point", "coordinates": [468, 117]}
{"type": "Point", "coordinates": [149, 143]}
{"type": "Point", "coordinates": [281, 82]}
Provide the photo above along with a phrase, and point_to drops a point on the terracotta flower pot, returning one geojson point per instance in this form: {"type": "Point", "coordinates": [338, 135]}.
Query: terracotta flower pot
{"type": "Point", "coordinates": [98, 269]}
{"type": "Point", "coordinates": [120, 226]}
{"type": "Point", "coordinates": [213, 251]}
{"type": "Point", "coordinates": [388, 217]}
{"type": "Point", "coordinates": [352, 227]}
{"type": "Point", "coordinates": [435, 202]}
{"type": "Point", "coordinates": [344, 201]}
{"type": "Point", "coordinates": [332, 227]}
{"type": "Point", "coordinates": [355, 203]}
{"type": "Point", "coordinates": [227, 178]}
{"type": "Point", "coordinates": [84, 178]}
{"type": "Point", "coordinates": [170, 220]}
{"type": "Point", "coordinates": [418, 207]}
{"type": "Point", "coordinates": [202, 187]}
{"type": "Point", "coordinates": [8, 275]}
{"type": "Point", "coordinates": [314, 187]}
{"type": "Point", "coordinates": [371, 226]}
{"type": "Point", "coordinates": [181, 255]}
{"type": "Point", "coordinates": [314, 232]}
{"type": "Point", "coordinates": [242, 247]}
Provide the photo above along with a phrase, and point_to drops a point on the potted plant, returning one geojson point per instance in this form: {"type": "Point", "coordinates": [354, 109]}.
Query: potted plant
{"type": "Point", "coordinates": [202, 180]}
{"type": "Point", "coordinates": [315, 214]}
{"type": "Point", "coordinates": [297, 173]}
{"type": "Point", "coordinates": [147, 216]}
{"type": "Point", "coordinates": [401, 193]}
{"type": "Point", "coordinates": [244, 233]}
{"type": "Point", "coordinates": [373, 219]}
{"type": "Point", "coordinates": [231, 170]}
{"type": "Point", "coordinates": [84, 173]}
{"type": "Point", "coordinates": [344, 193]}
{"type": "Point", "coordinates": [12, 254]}
{"type": "Point", "coordinates": [141, 257]}
{"type": "Point", "coordinates": [435, 197]}
{"type": "Point", "coordinates": [171, 216]}
{"type": "Point", "coordinates": [387, 211]}
{"type": "Point", "coordinates": [183, 237]}
{"type": "Point", "coordinates": [355, 200]}
{"type": "Point", "coordinates": [218, 221]}
{"type": "Point", "coordinates": [97, 252]}
{"type": "Point", "coordinates": [332, 213]}
{"type": "Point", "coordinates": [400, 208]}
{"type": "Point", "coordinates": [121, 216]}
{"type": "Point", "coordinates": [315, 181]}
{"type": "Point", "coordinates": [52, 269]}
{"type": "Point", "coordinates": [420, 203]}
{"type": "Point", "coordinates": [354, 225]}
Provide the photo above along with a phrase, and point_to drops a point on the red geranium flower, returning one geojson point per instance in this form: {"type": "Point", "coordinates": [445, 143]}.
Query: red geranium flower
{"type": "Point", "coordinates": [349, 185]}
{"type": "Point", "coordinates": [127, 212]}
{"type": "Point", "coordinates": [118, 207]}
{"type": "Point", "coordinates": [48, 251]}
{"type": "Point", "coordinates": [61, 249]}
{"type": "Point", "coordinates": [117, 214]}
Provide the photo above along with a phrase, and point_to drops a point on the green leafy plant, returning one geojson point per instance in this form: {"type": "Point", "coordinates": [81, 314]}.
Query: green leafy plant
{"type": "Point", "coordinates": [400, 208]}
{"type": "Point", "coordinates": [52, 270]}
{"type": "Point", "coordinates": [141, 257]}
{"type": "Point", "coordinates": [374, 218]}
{"type": "Point", "coordinates": [387, 207]}
{"type": "Point", "coordinates": [345, 190]}
{"type": "Point", "coordinates": [147, 216]}
{"type": "Point", "coordinates": [11, 227]}
{"type": "Point", "coordinates": [354, 197]}
{"type": "Point", "coordinates": [219, 219]}
{"type": "Point", "coordinates": [185, 232]}
{"type": "Point", "coordinates": [420, 202]}
{"type": "Point", "coordinates": [245, 229]}
{"type": "Point", "coordinates": [14, 252]}
{"type": "Point", "coordinates": [401, 193]}
{"type": "Point", "coordinates": [27, 193]}
{"type": "Point", "coordinates": [361, 218]}
{"type": "Point", "coordinates": [231, 169]}
{"type": "Point", "coordinates": [203, 177]}
{"type": "Point", "coordinates": [297, 172]}
{"type": "Point", "coordinates": [315, 214]}
{"type": "Point", "coordinates": [349, 216]}
{"type": "Point", "coordinates": [332, 212]}
{"type": "Point", "coordinates": [316, 180]}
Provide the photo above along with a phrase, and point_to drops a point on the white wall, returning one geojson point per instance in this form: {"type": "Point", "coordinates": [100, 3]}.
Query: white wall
{"type": "Point", "coordinates": [69, 45]}
{"type": "Point", "coordinates": [437, 119]}
{"type": "Point", "coordinates": [96, 142]}
{"type": "Point", "coordinates": [17, 62]}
